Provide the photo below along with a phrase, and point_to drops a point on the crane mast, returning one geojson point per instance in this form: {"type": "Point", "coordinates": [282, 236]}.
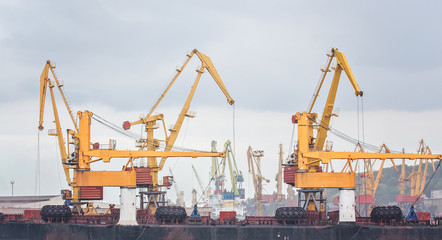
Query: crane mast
{"type": "Point", "coordinates": [278, 178]}
{"type": "Point", "coordinates": [254, 163]}
{"type": "Point", "coordinates": [236, 176]}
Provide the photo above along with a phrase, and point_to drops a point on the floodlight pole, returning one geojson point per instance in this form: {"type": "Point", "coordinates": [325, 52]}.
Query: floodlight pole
{"type": "Point", "coordinates": [12, 186]}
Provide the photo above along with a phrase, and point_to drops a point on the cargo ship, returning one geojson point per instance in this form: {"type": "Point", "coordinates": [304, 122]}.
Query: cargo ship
{"type": "Point", "coordinates": [31, 226]}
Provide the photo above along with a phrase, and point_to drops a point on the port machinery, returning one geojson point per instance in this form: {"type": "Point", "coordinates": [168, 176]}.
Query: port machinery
{"type": "Point", "coordinates": [303, 169]}
{"type": "Point", "coordinates": [78, 154]}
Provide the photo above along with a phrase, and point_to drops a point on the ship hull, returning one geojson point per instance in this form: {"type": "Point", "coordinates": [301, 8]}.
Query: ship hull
{"type": "Point", "coordinates": [257, 232]}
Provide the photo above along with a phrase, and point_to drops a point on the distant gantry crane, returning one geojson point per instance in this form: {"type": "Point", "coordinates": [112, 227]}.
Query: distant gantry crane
{"type": "Point", "coordinates": [215, 173]}
{"type": "Point", "coordinates": [280, 198]}
{"type": "Point", "coordinates": [254, 163]}
{"type": "Point", "coordinates": [223, 199]}
{"type": "Point", "coordinates": [417, 180]}
{"type": "Point", "coordinates": [236, 177]}
{"type": "Point", "coordinates": [369, 184]}
{"type": "Point", "coordinates": [179, 194]}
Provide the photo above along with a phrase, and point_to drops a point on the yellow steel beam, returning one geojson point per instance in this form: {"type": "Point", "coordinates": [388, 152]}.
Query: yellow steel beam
{"type": "Point", "coordinates": [343, 63]}
{"type": "Point", "coordinates": [106, 178]}
{"type": "Point", "coordinates": [148, 119]}
{"type": "Point", "coordinates": [108, 154]}
{"type": "Point", "coordinates": [44, 79]}
{"type": "Point", "coordinates": [326, 156]}
{"type": "Point", "coordinates": [325, 71]}
{"type": "Point", "coordinates": [325, 180]}
{"type": "Point", "coordinates": [207, 63]}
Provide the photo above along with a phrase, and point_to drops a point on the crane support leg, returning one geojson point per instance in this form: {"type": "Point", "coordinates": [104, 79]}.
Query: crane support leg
{"type": "Point", "coordinates": [347, 213]}
{"type": "Point", "coordinates": [128, 209]}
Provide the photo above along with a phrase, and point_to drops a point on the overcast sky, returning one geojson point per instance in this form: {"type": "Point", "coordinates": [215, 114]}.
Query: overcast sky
{"type": "Point", "coordinates": [115, 58]}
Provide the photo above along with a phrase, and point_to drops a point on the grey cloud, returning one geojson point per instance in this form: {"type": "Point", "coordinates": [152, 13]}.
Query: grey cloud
{"type": "Point", "coordinates": [268, 53]}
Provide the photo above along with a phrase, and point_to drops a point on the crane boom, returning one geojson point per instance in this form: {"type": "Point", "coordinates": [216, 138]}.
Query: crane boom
{"type": "Point", "coordinates": [341, 65]}
{"type": "Point", "coordinates": [44, 80]}
{"type": "Point", "coordinates": [44, 83]}
{"type": "Point", "coordinates": [207, 64]}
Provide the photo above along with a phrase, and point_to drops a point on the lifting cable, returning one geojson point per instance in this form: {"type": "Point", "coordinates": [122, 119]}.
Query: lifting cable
{"type": "Point", "coordinates": [357, 107]}
{"type": "Point", "coordinates": [361, 128]}
{"type": "Point", "coordinates": [363, 140]}
{"type": "Point", "coordinates": [114, 127]}
{"type": "Point", "coordinates": [234, 142]}
{"type": "Point", "coordinates": [354, 141]}
{"type": "Point", "coordinates": [363, 144]}
{"type": "Point", "coordinates": [363, 123]}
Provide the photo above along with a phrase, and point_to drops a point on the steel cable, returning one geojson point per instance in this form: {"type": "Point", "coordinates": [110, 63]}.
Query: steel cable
{"type": "Point", "coordinates": [135, 136]}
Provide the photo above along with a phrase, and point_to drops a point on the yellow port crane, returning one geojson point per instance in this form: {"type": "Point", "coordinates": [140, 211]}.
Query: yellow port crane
{"type": "Point", "coordinates": [215, 172]}
{"type": "Point", "coordinates": [369, 182]}
{"type": "Point", "coordinates": [317, 143]}
{"type": "Point", "coordinates": [254, 163]}
{"type": "Point", "coordinates": [278, 178]}
{"type": "Point", "coordinates": [303, 170]}
{"type": "Point", "coordinates": [77, 154]}
{"type": "Point", "coordinates": [417, 180]}
{"type": "Point", "coordinates": [151, 143]}
{"type": "Point", "coordinates": [236, 177]}
{"type": "Point", "coordinates": [179, 194]}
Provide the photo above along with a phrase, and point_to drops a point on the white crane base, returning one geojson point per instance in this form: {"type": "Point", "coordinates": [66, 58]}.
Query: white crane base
{"type": "Point", "coordinates": [128, 208]}
{"type": "Point", "coordinates": [347, 205]}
